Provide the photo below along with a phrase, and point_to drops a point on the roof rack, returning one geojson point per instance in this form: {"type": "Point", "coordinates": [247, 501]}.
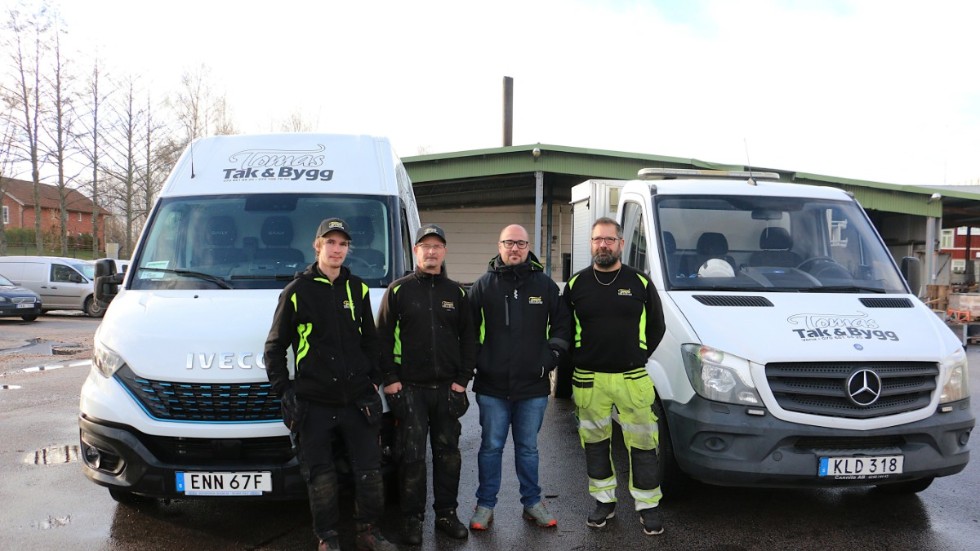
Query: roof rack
{"type": "Point", "coordinates": [673, 173]}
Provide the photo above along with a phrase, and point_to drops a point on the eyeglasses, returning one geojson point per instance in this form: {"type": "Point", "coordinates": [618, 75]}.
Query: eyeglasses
{"type": "Point", "coordinates": [606, 240]}
{"type": "Point", "coordinates": [509, 244]}
{"type": "Point", "coordinates": [431, 246]}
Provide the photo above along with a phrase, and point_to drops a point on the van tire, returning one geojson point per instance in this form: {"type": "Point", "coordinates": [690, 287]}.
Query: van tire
{"type": "Point", "coordinates": [906, 487]}
{"type": "Point", "coordinates": [672, 479]}
{"type": "Point", "coordinates": [32, 317]}
{"type": "Point", "coordinates": [93, 309]}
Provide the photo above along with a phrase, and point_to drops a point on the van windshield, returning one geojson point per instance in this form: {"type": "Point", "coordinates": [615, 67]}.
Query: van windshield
{"type": "Point", "coordinates": [258, 241]}
{"type": "Point", "coordinates": [787, 244]}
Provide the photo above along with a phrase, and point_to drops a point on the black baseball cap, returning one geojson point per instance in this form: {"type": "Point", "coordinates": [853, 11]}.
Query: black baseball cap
{"type": "Point", "coordinates": [333, 224]}
{"type": "Point", "coordinates": [429, 229]}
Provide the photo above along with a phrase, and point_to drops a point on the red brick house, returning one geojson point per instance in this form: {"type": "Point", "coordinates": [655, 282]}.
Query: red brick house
{"type": "Point", "coordinates": [18, 209]}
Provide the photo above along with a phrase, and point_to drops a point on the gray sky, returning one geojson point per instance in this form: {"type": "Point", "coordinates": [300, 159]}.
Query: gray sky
{"type": "Point", "coordinates": [877, 90]}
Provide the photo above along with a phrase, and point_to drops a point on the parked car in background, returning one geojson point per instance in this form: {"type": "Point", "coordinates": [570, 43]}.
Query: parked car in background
{"type": "Point", "coordinates": [62, 283]}
{"type": "Point", "coordinates": [16, 301]}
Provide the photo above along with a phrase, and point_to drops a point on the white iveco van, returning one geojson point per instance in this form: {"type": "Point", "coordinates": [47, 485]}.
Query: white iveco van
{"type": "Point", "coordinates": [177, 403]}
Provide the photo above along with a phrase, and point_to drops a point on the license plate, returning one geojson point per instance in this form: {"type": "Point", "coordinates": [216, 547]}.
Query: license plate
{"type": "Point", "coordinates": [25, 305]}
{"type": "Point", "coordinates": [861, 467]}
{"type": "Point", "coordinates": [224, 484]}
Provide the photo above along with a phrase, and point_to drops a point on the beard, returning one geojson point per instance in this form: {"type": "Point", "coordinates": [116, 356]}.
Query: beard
{"type": "Point", "coordinates": [606, 259]}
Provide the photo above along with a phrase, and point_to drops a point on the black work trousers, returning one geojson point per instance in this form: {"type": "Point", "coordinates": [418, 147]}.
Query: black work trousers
{"type": "Point", "coordinates": [316, 454]}
{"type": "Point", "coordinates": [429, 411]}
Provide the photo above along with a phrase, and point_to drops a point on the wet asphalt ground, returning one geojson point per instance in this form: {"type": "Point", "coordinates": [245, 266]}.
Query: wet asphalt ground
{"type": "Point", "coordinates": [46, 502]}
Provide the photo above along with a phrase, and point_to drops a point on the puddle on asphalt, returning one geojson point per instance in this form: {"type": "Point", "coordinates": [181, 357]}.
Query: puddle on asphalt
{"type": "Point", "coordinates": [52, 522]}
{"type": "Point", "coordinates": [54, 455]}
{"type": "Point", "coordinates": [46, 348]}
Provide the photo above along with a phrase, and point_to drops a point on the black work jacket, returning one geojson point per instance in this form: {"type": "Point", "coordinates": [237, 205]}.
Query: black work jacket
{"type": "Point", "coordinates": [520, 317]}
{"type": "Point", "coordinates": [330, 327]}
{"type": "Point", "coordinates": [426, 331]}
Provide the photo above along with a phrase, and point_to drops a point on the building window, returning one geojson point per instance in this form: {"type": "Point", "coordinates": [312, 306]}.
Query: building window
{"type": "Point", "coordinates": [958, 266]}
{"type": "Point", "coordinates": [946, 241]}
{"type": "Point", "coordinates": [79, 216]}
{"type": "Point", "coordinates": [6, 216]}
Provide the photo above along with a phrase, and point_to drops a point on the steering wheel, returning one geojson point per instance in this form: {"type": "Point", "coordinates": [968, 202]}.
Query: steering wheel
{"type": "Point", "coordinates": [830, 268]}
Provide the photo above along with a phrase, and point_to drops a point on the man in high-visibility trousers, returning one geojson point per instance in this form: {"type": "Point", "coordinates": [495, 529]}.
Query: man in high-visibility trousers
{"type": "Point", "coordinates": [617, 323]}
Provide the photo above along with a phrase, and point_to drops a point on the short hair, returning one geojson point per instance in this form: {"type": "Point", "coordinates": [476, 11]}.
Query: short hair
{"type": "Point", "coordinates": [606, 221]}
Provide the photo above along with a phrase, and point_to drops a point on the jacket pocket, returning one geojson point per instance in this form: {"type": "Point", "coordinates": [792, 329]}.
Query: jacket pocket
{"type": "Point", "coordinates": [582, 386]}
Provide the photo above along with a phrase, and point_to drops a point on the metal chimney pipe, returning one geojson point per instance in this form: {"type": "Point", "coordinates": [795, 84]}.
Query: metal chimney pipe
{"type": "Point", "coordinates": [508, 111]}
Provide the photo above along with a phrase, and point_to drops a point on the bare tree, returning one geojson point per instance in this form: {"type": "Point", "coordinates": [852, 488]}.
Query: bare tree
{"type": "Point", "coordinates": [6, 141]}
{"type": "Point", "coordinates": [92, 130]}
{"type": "Point", "coordinates": [60, 134]}
{"type": "Point", "coordinates": [26, 33]}
{"type": "Point", "coordinates": [123, 144]}
{"type": "Point", "coordinates": [296, 123]}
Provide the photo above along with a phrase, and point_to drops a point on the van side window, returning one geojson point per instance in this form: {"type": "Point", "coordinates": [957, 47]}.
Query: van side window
{"type": "Point", "coordinates": [408, 259]}
{"type": "Point", "coordinates": [635, 252]}
{"type": "Point", "coordinates": [63, 274]}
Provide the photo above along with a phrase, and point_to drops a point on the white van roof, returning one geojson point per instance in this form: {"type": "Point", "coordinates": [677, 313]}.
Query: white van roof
{"type": "Point", "coordinates": [743, 187]}
{"type": "Point", "coordinates": [285, 163]}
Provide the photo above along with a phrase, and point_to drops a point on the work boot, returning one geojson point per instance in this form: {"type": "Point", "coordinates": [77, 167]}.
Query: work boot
{"type": "Point", "coordinates": [482, 518]}
{"type": "Point", "coordinates": [540, 515]}
{"type": "Point", "coordinates": [602, 513]}
{"type": "Point", "coordinates": [412, 530]}
{"type": "Point", "coordinates": [329, 543]}
{"type": "Point", "coordinates": [369, 538]}
{"type": "Point", "coordinates": [650, 519]}
{"type": "Point", "coordinates": [448, 523]}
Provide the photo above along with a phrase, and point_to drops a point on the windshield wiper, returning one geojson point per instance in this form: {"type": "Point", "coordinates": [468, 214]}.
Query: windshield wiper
{"type": "Point", "coordinates": [275, 277]}
{"type": "Point", "coordinates": [189, 273]}
{"type": "Point", "coordinates": [846, 289]}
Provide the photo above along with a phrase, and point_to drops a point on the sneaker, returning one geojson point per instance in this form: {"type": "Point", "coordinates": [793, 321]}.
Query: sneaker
{"type": "Point", "coordinates": [369, 538]}
{"type": "Point", "coordinates": [602, 513]}
{"type": "Point", "coordinates": [482, 518]}
{"type": "Point", "coordinates": [650, 519]}
{"type": "Point", "coordinates": [540, 515]}
{"type": "Point", "coordinates": [412, 530]}
{"type": "Point", "coordinates": [330, 543]}
{"type": "Point", "coordinates": [448, 523]}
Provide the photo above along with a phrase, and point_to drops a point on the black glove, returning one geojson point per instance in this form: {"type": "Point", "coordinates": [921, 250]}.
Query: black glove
{"type": "Point", "coordinates": [291, 410]}
{"type": "Point", "coordinates": [557, 355]}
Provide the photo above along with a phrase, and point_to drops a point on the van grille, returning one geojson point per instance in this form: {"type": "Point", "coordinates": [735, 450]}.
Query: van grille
{"type": "Point", "coordinates": [217, 451]}
{"type": "Point", "coordinates": [886, 302]}
{"type": "Point", "coordinates": [729, 300]}
{"type": "Point", "coordinates": [823, 389]}
{"type": "Point", "coordinates": [216, 403]}
{"type": "Point", "coordinates": [23, 300]}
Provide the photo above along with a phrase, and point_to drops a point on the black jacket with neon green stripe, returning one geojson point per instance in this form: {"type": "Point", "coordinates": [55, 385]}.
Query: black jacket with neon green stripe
{"type": "Point", "coordinates": [330, 327]}
{"type": "Point", "coordinates": [520, 318]}
{"type": "Point", "coordinates": [426, 331]}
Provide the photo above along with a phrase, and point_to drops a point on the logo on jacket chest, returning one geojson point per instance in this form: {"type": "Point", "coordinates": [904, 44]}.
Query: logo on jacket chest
{"type": "Point", "coordinates": [535, 300]}
{"type": "Point", "coordinates": [448, 305]}
{"type": "Point", "coordinates": [347, 305]}
{"type": "Point", "coordinates": [624, 292]}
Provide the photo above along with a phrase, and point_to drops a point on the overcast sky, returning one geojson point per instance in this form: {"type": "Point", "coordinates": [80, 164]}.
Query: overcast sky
{"type": "Point", "coordinates": [887, 91]}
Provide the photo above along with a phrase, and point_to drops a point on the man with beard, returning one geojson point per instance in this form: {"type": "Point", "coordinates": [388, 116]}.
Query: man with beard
{"type": "Point", "coordinates": [618, 324]}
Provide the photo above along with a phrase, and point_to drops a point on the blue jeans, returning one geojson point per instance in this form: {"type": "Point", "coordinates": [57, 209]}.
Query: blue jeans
{"type": "Point", "coordinates": [523, 418]}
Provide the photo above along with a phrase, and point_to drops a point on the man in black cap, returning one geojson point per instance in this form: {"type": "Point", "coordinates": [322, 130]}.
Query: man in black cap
{"type": "Point", "coordinates": [325, 315]}
{"type": "Point", "coordinates": [428, 352]}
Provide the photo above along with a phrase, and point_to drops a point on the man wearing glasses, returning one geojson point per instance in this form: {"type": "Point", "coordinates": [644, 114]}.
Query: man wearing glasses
{"type": "Point", "coordinates": [618, 324]}
{"type": "Point", "coordinates": [523, 330]}
{"type": "Point", "coordinates": [428, 350]}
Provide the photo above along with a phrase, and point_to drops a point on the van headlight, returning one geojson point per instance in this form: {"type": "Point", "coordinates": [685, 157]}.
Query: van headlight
{"type": "Point", "coordinates": [106, 360]}
{"type": "Point", "coordinates": [956, 385]}
{"type": "Point", "coordinates": [719, 376]}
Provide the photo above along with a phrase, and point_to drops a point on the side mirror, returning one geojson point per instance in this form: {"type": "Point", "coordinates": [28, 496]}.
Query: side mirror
{"type": "Point", "coordinates": [911, 271]}
{"type": "Point", "coordinates": [106, 281]}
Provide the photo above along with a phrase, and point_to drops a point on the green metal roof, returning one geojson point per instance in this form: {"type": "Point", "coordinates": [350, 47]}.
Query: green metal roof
{"type": "Point", "coordinates": [579, 164]}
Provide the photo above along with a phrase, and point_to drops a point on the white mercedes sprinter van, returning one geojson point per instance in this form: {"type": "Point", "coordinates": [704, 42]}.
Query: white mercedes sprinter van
{"type": "Point", "coordinates": [796, 353]}
{"type": "Point", "coordinates": [177, 403]}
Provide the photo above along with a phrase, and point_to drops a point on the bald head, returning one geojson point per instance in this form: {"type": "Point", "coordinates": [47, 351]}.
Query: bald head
{"type": "Point", "coordinates": [516, 237]}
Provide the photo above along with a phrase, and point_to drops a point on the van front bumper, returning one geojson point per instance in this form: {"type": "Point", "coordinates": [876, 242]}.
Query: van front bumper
{"type": "Point", "coordinates": [142, 464]}
{"type": "Point", "coordinates": [723, 444]}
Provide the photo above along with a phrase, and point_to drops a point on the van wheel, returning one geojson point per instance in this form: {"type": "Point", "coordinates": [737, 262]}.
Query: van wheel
{"type": "Point", "coordinates": [672, 479]}
{"type": "Point", "coordinates": [93, 308]}
{"type": "Point", "coordinates": [907, 487]}
{"type": "Point", "coordinates": [128, 498]}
